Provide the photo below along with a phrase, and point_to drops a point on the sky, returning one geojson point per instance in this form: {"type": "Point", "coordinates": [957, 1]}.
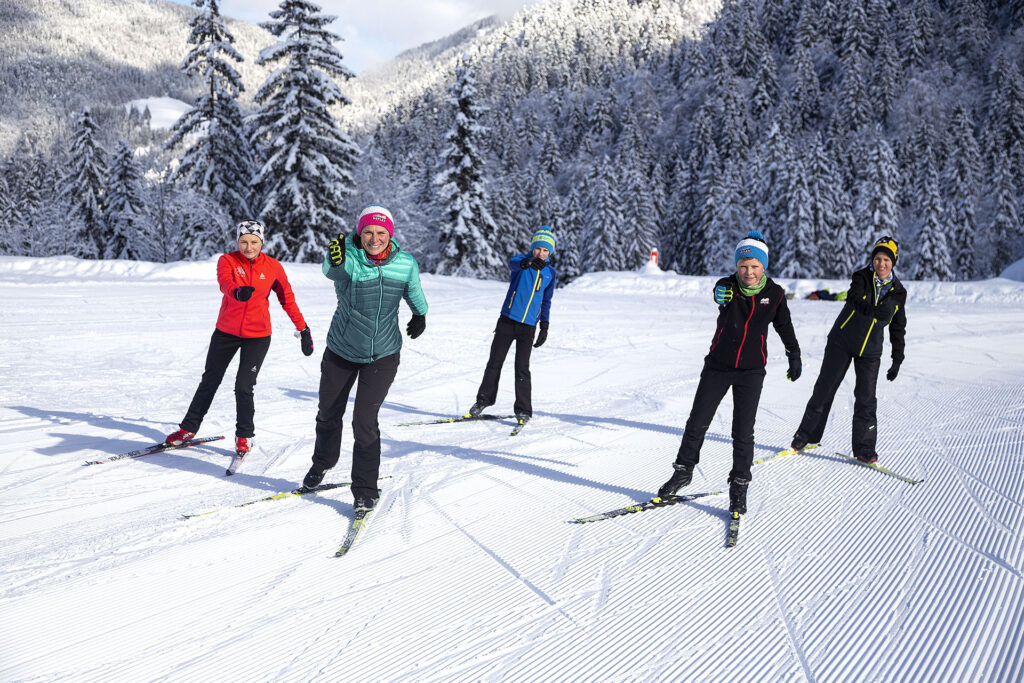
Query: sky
{"type": "Point", "coordinates": [373, 32]}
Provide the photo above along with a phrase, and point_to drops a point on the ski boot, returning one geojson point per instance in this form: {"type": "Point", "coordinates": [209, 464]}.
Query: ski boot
{"type": "Point", "coordinates": [179, 437]}
{"type": "Point", "coordinates": [681, 477]}
{"type": "Point", "coordinates": [738, 495]}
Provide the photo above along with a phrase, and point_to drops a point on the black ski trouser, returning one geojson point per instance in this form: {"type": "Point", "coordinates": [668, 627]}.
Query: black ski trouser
{"type": "Point", "coordinates": [506, 332]}
{"type": "Point", "coordinates": [337, 377]}
{"type": "Point", "coordinates": [865, 404]}
{"type": "Point", "coordinates": [746, 394]}
{"type": "Point", "coordinates": [223, 347]}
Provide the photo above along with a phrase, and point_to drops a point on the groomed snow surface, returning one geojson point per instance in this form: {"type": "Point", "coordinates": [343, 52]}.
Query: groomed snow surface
{"type": "Point", "coordinates": [470, 570]}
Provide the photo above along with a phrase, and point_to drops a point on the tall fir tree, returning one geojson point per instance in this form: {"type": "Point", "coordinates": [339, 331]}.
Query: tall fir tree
{"type": "Point", "coordinates": [601, 240]}
{"type": "Point", "coordinates": [876, 209]}
{"type": "Point", "coordinates": [218, 160]}
{"type": "Point", "coordinates": [931, 252]}
{"type": "Point", "coordinates": [82, 190]}
{"type": "Point", "coordinates": [467, 230]}
{"type": "Point", "coordinates": [797, 256]}
{"type": "Point", "coordinates": [306, 181]}
{"type": "Point", "coordinates": [960, 192]}
{"type": "Point", "coordinates": [130, 234]}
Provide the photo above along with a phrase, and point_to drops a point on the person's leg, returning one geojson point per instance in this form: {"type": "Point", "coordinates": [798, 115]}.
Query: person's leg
{"type": "Point", "coordinates": [746, 394]}
{"type": "Point", "coordinates": [375, 380]}
{"type": "Point", "coordinates": [710, 392]}
{"type": "Point", "coordinates": [222, 349]}
{"type": "Point", "coordinates": [833, 368]}
{"type": "Point", "coordinates": [337, 376]}
{"type": "Point", "coordinates": [249, 363]}
{"type": "Point", "coordinates": [504, 335]}
{"type": "Point", "coordinates": [524, 391]}
{"type": "Point", "coordinates": [865, 404]}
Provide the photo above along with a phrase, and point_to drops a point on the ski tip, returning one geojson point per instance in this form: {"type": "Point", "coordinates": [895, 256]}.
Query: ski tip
{"type": "Point", "coordinates": [228, 473]}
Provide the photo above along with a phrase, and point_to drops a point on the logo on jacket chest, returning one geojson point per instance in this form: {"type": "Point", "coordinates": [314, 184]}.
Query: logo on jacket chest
{"type": "Point", "coordinates": [262, 276]}
{"type": "Point", "coordinates": [240, 270]}
{"type": "Point", "coordinates": [765, 300]}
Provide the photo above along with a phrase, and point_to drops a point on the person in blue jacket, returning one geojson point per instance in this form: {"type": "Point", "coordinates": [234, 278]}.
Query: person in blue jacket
{"type": "Point", "coordinates": [527, 303]}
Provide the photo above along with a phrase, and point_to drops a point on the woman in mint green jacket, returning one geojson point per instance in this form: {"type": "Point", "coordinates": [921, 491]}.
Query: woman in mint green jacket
{"type": "Point", "coordinates": [371, 275]}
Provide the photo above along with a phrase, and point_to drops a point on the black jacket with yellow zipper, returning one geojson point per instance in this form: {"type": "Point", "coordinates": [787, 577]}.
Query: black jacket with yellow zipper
{"type": "Point", "coordinates": [861, 325]}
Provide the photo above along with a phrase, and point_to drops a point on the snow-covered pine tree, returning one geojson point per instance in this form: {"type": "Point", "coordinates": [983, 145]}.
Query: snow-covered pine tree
{"type": "Point", "coordinates": [82, 190]}
{"type": "Point", "coordinates": [706, 259]}
{"type": "Point", "coordinates": [931, 253]}
{"type": "Point", "coordinates": [876, 209]}
{"type": "Point", "coordinates": [1004, 227]}
{"type": "Point", "coordinates": [771, 183]}
{"type": "Point", "coordinates": [8, 218]}
{"type": "Point", "coordinates": [568, 234]}
{"type": "Point", "coordinates": [130, 234]}
{"type": "Point", "coordinates": [806, 93]}
{"type": "Point", "coordinates": [218, 160]}
{"type": "Point", "coordinates": [602, 248]}
{"type": "Point", "coordinates": [960, 191]}
{"type": "Point", "coordinates": [467, 230]}
{"type": "Point", "coordinates": [797, 256]}
{"type": "Point", "coordinates": [306, 181]}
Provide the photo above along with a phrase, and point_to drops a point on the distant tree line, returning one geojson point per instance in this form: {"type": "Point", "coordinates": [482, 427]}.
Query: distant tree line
{"type": "Point", "coordinates": [824, 124]}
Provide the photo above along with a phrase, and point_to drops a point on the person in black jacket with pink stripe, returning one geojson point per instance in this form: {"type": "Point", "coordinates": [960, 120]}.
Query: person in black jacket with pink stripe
{"type": "Point", "coordinates": [748, 301]}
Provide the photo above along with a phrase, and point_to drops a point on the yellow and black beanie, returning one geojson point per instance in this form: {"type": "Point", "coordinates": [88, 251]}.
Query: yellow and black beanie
{"type": "Point", "coordinates": [887, 246]}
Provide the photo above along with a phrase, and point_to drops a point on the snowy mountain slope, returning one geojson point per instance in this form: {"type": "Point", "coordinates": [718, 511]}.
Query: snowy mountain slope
{"type": "Point", "coordinates": [59, 57]}
{"type": "Point", "coordinates": [470, 570]}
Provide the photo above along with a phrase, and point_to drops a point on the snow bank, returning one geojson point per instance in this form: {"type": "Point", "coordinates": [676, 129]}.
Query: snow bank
{"type": "Point", "coordinates": [648, 282]}
{"type": "Point", "coordinates": [1015, 271]}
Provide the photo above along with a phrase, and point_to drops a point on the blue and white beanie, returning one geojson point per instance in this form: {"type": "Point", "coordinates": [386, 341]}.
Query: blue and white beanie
{"type": "Point", "coordinates": [543, 238]}
{"type": "Point", "coordinates": [250, 228]}
{"type": "Point", "coordinates": [753, 246]}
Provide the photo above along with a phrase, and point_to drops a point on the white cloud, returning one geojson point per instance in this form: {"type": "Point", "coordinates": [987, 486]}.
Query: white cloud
{"type": "Point", "coordinates": [376, 31]}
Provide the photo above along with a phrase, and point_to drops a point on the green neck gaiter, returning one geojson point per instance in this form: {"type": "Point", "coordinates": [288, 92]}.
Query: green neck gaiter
{"type": "Point", "coordinates": [756, 289]}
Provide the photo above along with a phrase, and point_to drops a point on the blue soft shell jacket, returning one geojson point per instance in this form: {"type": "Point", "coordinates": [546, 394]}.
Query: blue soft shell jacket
{"type": "Point", "coordinates": [529, 292]}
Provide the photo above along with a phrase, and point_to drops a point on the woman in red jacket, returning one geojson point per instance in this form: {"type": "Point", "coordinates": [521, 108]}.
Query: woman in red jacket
{"type": "Point", "coordinates": [246, 278]}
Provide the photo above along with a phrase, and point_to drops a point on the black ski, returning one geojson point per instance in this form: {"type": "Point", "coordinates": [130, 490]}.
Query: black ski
{"type": "Point", "coordinates": [355, 528]}
{"type": "Point", "coordinates": [519, 426]}
{"type": "Point", "coordinates": [640, 507]}
{"type": "Point", "coordinates": [156, 448]}
{"type": "Point", "coordinates": [301, 491]}
{"type": "Point", "coordinates": [462, 418]}
{"type": "Point", "coordinates": [788, 451]}
{"type": "Point", "coordinates": [879, 468]}
{"type": "Point", "coordinates": [733, 534]}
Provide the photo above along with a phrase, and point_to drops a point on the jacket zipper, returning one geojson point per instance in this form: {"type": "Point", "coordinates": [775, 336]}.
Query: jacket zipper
{"type": "Point", "coordinates": [245, 307]}
{"type": "Point", "coordinates": [763, 356]}
{"type": "Point", "coordinates": [873, 321]}
{"type": "Point", "coordinates": [536, 285]}
{"type": "Point", "coordinates": [380, 305]}
{"type": "Point", "coordinates": [745, 325]}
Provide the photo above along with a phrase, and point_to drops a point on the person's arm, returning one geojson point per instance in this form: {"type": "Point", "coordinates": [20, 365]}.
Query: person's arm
{"type": "Point", "coordinates": [897, 336]}
{"type": "Point", "coordinates": [549, 292]}
{"type": "Point", "coordinates": [337, 259]}
{"type": "Point", "coordinates": [225, 275]}
{"type": "Point", "coordinates": [283, 289]}
{"type": "Point", "coordinates": [413, 293]}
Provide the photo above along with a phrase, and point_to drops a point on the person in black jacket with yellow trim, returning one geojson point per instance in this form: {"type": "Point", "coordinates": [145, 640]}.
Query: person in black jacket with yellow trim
{"type": "Point", "coordinates": [876, 300]}
{"type": "Point", "coordinates": [748, 301]}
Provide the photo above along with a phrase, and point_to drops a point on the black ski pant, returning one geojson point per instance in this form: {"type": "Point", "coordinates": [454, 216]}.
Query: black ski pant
{"type": "Point", "coordinates": [833, 369]}
{"type": "Point", "coordinates": [223, 347]}
{"type": "Point", "coordinates": [506, 332]}
{"type": "Point", "coordinates": [337, 377]}
{"type": "Point", "coordinates": [746, 394]}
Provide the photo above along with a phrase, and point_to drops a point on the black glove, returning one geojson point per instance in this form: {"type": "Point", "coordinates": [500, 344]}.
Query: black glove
{"type": "Point", "coordinates": [306, 340]}
{"type": "Point", "coordinates": [243, 293]}
{"type": "Point", "coordinates": [795, 369]}
{"type": "Point", "coordinates": [336, 250]}
{"type": "Point", "coordinates": [894, 370]}
{"type": "Point", "coordinates": [542, 336]}
{"type": "Point", "coordinates": [416, 325]}
{"type": "Point", "coordinates": [532, 262]}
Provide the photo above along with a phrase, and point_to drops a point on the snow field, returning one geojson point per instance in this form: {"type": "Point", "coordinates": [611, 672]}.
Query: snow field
{"type": "Point", "coordinates": [469, 569]}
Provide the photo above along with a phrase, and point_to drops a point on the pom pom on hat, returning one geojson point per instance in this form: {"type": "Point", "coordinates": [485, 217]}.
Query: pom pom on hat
{"type": "Point", "coordinates": [753, 246]}
{"type": "Point", "coordinates": [543, 238]}
{"type": "Point", "coordinates": [377, 215]}
{"type": "Point", "coordinates": [887, 246]}
{"type": "Point", "coordinates": [250, 228]}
